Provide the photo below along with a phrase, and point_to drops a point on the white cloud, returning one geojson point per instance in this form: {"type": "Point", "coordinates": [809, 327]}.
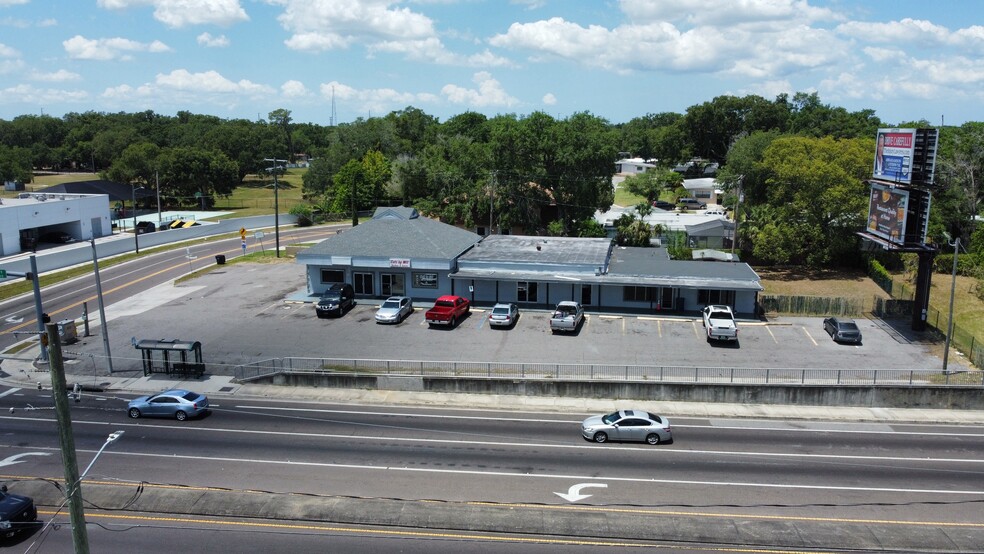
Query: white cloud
{"type": "Point", "coordinates": [33, 95]}
{"type": "Point", "coordinates": [8, 52]}
{"type": "Point", "coordinates": [6, 3]}
{"type": "Point", "coordinates": [11, 67]}
{"type": "Point", "coordinates": [294, 89]}
{"type": "Point", "coordinates": [488, 93]}
{"type": "Point", "coordinates": [725, 12]}
{"type": "Point", "coordinates": [326, 24]}
{"type": "Point", "coordinates": [206, 39]}
{"type": "Point", "coordinates": [208, 82]}
{"type": "Point", "coordinates": [549, 99]}
{"type": "Point", "coordinates": [180, 13]}
{"type": "Point", "coordinates": [376, 101]}
{"type": "Point", "coordinates": [81, 48]}
{"type": "Point", "coordinates": [59, 76]}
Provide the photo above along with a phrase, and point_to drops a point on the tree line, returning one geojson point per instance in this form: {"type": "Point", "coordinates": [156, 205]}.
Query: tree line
{"type": "Point", "coordinates": [800, 165]}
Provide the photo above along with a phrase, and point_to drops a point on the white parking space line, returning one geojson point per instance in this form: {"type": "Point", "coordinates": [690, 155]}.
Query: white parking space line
{"type": "Point", "coordinates": [809, 336]}
{"type": "Point", "coordinates": [696, 333]}
{"type": "Point", "coordinates": [771, 334]}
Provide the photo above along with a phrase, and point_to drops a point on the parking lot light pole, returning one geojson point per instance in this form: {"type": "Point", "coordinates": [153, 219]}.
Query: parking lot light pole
{"type": "Point", "coordinates": [136, 242]}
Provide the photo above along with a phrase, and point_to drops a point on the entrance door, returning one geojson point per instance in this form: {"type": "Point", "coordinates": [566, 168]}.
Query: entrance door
{"type": "Point", "coordinates": [585, 295]}
{"type": "Point", "coordinates": [393, 284]}
{"type": "Point", "coordinates": [526, 291]}
{"type": "Point", "coordinates": [362, 283]}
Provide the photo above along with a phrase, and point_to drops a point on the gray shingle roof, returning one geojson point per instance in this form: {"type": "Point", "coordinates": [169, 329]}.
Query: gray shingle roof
{"type": "Point", "coordinates": [396, 233]}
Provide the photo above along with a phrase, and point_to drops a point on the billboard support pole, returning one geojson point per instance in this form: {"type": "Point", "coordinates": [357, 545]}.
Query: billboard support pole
{"type": "Point", "coordinates": [923, 282]}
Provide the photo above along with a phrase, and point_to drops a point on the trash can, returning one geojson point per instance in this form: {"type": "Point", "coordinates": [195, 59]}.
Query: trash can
{"type": "Point", "coordinates": [67, 332]}
{"type": "Point", "coordinates": [220, 259]}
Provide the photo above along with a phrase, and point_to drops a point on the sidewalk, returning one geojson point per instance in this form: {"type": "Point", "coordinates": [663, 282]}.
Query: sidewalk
{"type": "Point", "coordinates": [21, 373]}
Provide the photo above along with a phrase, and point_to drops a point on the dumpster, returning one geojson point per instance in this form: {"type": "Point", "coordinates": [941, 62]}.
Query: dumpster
{"type": "Point", "coordinates": [220, 259]}
{"type": "Point", "coordinates": [67, 332]}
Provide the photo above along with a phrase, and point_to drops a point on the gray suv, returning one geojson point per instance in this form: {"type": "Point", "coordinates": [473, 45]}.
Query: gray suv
{"type": "Point", "coordinates": [691, 204]}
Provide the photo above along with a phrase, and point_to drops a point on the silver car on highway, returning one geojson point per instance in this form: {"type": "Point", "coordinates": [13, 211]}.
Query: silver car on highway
{"type": "Point", "coordinates": [177, 403]}
{"type": "Point", "coordinates": [627, 425]}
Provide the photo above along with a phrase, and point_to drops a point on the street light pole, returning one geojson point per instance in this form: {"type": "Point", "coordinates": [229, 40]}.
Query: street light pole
{"type": "Point", "coordinates": [276, 201]}
{"type": "Point", "coordinates": [953, 287]}
{"type": "Point", "coordinates": [136, 242]}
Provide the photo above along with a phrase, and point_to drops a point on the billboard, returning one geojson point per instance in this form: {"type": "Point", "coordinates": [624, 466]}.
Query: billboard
{"type": "Point", "coordinates": [887, 212]}
{"type": "Point", "coordinates": [893, 155]}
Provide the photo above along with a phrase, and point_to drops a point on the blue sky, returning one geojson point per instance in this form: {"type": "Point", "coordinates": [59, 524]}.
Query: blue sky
{"type": "Point", "coordinates": [618, 59]}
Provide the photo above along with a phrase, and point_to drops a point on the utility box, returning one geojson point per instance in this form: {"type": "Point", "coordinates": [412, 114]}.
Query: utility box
{"type": "Point", "coordinates": [67, 332]}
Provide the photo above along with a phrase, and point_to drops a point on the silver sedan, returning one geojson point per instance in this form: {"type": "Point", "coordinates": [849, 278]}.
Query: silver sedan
{"type": "Point", "coordinates": [177, 403]}
{"type": "Point", "coordinates": [503, 315]}
{"type": "Point", "coordinates": [627, 425]}
{"type": "Point", "coordinates": [394, 309]}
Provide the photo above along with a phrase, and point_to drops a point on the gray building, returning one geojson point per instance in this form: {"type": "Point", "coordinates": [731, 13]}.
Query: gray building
{"type": "Point", "coordinates": [396, 253]}
{"type": "Point", "coordinates": [400, 253]}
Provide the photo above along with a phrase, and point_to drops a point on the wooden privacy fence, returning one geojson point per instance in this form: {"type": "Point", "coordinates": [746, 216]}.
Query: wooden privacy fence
{"type": "Point", "coordinates": [811, 305]}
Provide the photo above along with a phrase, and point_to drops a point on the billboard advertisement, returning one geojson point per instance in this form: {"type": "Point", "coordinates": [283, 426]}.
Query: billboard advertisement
{"type": "Point", "coordinates": [893, 155]}
{"type": "Point", "coordinates": [887, 212]}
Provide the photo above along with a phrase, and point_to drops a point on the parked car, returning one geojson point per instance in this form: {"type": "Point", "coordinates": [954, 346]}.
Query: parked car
{"type": "Point", "coordinates": [664, 205]}
{"type": "Point", "coordinates": [17, 513]}
{"type": "Point", "coordinates": [717, 212]}
{"type": "Point", "coordinates": [503, 315]}
{"type": "Point", "coordinates": [338, 299]}
{"type": "Point", "coordinates": [842, 330]}
{"type": "Point", "coordinates": [56, 237]}
{"type": "Point", "coordinates": [394, 309]}
{"type": "Point", "coordinates": [447, 310]}
{"type": "Point", "coordinates": [719, 322]}
{"type": "Point", "coordinates": [567, 316]}
{"type": "Point", "coordinates": [691, 204]}
{"type": "Point", "coordinates": [177, 403]}
{"type": "Point", "coordinates": [627, 425]}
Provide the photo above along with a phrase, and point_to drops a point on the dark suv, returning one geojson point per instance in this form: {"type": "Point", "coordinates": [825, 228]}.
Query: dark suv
{"type": "Point", "coordinates": [338, 299]}
{"type": "Point", "coordinates": [17, 513]}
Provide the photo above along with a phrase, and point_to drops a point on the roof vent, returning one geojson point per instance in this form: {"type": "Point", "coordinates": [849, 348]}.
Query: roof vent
{"type": "Point", "coordinates": [538, 248]}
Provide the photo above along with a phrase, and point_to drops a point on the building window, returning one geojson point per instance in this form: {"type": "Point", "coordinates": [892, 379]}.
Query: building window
{"type": "Point", "coordinates": [393, 284]}
{"type": "Point", "coordinates": [332, 276]}
{"type": "Point", "coordinates": [526, 291]}
{"type": "Point", "coordinates": [726, 297]}
{"type": "Point", "coordinates": [362, 283]}
{"type": "Point", "coordinates": [425, 280]}
{"type": "Point", "coordinates": [639, 294]}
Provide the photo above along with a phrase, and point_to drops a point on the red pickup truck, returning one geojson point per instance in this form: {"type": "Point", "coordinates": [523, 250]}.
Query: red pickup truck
{"type": "Point", "coordinates": [447, 310]}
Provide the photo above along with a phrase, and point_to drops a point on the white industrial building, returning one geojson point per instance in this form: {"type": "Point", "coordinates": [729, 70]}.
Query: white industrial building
{"type": "Point", "coordinates": [29, 217]}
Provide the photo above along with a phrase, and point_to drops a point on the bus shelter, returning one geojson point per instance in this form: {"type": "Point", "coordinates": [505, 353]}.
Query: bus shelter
{"type": "Point", "coordinates": [171, 357]}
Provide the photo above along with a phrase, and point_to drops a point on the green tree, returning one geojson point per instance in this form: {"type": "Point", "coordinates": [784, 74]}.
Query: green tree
{"type": "Point", "coordinates": [817, 186]}
{"type": "Point", "coordinates": [137, 164]}
{"type": "Point", "coordinates": [280, 118]}
{"type": "Point", "coordinates": [651, 184]}
{"type": "Point", "coordinates": [186, 171]}
{"type": "Point", "coordinates": [15, 164]}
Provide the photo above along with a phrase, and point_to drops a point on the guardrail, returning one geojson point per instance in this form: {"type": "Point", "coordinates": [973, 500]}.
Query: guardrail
{"type": "Point", "coordinates": [610, 372]}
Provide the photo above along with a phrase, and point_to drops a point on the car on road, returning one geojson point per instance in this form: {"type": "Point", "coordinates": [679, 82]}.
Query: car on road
{"type": "Point", "coordinates": [503, 315]}
{"type": "Point", "coordinates": [842, 330]}
{"type": "Point", "coordinates": [448, 310]}
{"type": "Point", "coordinates": [177, 403]}
{"type": "Point", "coordinates": [627, 425]}
{"type": "Point", "coordinates": [394, 309]}
{"type": "Point", "coordinates": [719, 323]}
{"type": "Point", "coordinates": [567, 317]}
{"type": "Point", "coordinates": [17, 513]}
{"type": "Point", "coordinates": [338, 299]}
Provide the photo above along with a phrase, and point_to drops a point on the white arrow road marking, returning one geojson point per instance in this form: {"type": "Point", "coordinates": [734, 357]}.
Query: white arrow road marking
{"type": "Point", "coordinates": [13, 319]}
{"type": "Point", "coordinates": [573, 494]}
{"type": "Point", "coordinates": [15, 459]}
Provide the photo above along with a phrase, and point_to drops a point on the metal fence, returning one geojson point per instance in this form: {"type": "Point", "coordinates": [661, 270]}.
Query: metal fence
{"type": "Point", "coordinates": [609, 372]}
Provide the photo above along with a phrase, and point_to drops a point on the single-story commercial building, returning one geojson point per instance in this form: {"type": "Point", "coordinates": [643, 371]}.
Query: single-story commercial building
{"type": "Point", "coordinates": [30, 217]}
{"type": "Point", "coordinates": [396, 253]}
{"type": "Point", "coordinates": [399, 252]}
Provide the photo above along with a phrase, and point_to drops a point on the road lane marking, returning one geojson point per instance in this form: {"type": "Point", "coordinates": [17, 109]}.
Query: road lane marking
{"type": "Point", "coordinates": [7, 392]}
{"type": "Point", "coordinates": [539, 445]}
{"type": "Point", "coordinates": [198, 459]}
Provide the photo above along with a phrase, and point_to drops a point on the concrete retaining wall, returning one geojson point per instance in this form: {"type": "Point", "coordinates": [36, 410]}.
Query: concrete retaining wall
{"type": "Point", "coordinates": [807, 395]}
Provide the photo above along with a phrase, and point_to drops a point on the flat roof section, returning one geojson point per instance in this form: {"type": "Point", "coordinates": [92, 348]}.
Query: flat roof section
{"type": "Point", "coordinates": [540, 250]}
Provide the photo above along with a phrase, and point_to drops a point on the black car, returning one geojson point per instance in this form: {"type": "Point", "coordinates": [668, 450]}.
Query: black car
{"type": "Point", "coordinates": [664, 205]}
{"type": "Point", "coordinates": [57, 237]}
{"type": "Point", "coordinates": [842, 330]}
{"type": "Point", "coordinates": [338, 299]}
{"type": "Point", "coordinates": [17, 513]}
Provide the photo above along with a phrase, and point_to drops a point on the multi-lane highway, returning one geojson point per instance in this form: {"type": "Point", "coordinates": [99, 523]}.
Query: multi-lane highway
{"type": "Point", "coordinates": [125, 281]}
{"type": "Point", "coordinates": [725, 482]}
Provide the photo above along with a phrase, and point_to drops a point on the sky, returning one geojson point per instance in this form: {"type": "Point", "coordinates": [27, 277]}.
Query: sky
{"type": "Point", "coordinates": [333, 61]}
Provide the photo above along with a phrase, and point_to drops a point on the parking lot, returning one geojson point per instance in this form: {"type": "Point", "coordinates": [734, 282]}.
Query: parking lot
{"type": "Point", "coordinates": [240, 314]}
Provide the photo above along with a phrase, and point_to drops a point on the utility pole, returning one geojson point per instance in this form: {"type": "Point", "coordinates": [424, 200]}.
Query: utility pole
{"type": "Point", "coordinates": [38, 310]}
{"type": "Point", "coordinates": [491, 202]}
{"type": "Point", "coordinates": [276, 200]}
{"type": "Point", "coordinates": [953, 287]}
{"type": "Point", "coordinates": [136, 241]}
{"type": "Point", "coordinates": [102, 308]}
{"type": "Point", "coordinates": [59, 391]}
